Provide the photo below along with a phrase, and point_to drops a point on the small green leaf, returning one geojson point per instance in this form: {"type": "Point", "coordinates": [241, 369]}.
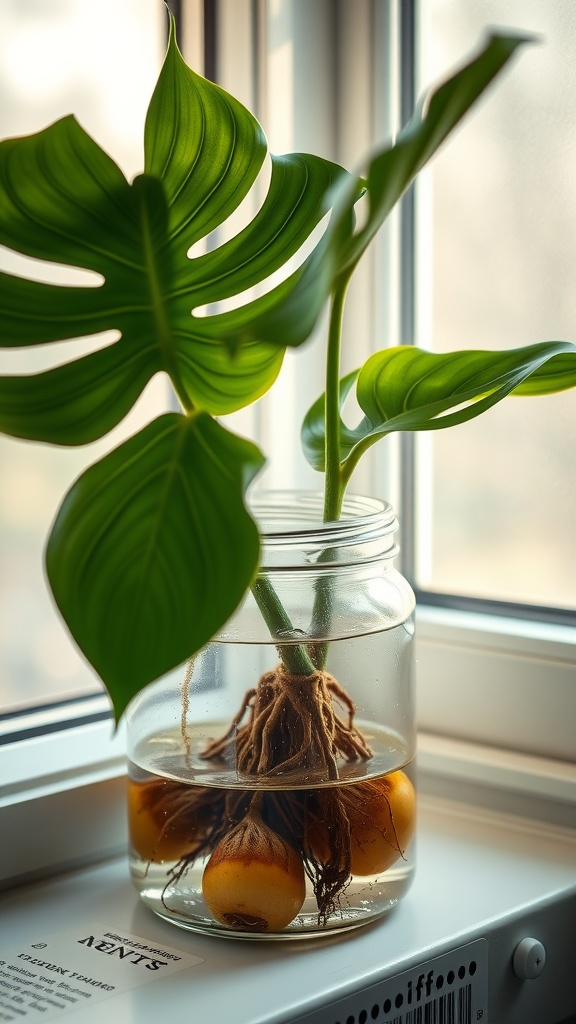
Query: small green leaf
{"type": "Point", "coordinates": [153, 549]}
{"type": "Point", "coordinates": [393, 167]}
{"type": "Point", "coordinates": [312, 435]}
{"type": "Point", "coordinates": [407, 388]}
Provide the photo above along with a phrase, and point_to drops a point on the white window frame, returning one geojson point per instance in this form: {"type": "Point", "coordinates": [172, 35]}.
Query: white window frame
{"type": "Point", "coordinates": [496, 696]}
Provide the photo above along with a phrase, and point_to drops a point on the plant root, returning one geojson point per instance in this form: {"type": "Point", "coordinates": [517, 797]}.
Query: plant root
{"type": "Point", "coordinates": [292, 728]}
{"type": "Point", "coordinates": [286, 727]}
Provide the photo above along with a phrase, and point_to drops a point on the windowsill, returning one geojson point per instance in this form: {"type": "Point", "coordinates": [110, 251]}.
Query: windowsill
{"type": "Point", "coordinates": [496, 707]}
{"type": "Point", "coordinates": [502, 682]}
{"type": "Point", "coordinates": [505, 633]}
{"type": "Point", "coordinates": [79, 753]}
{"type": "Point", "coordinates": [480, 874]}
{"type": "Point", "coordinates": [69, 788]}
{"type": "Point", "coordinates": [536, 789]}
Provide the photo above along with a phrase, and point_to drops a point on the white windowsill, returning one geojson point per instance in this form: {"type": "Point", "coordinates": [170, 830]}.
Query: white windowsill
{"type": "Point", "coordinates": [504, 770]}
{"type": "Point", "coordinates": [67, 787]}
{"type": "Point", "coordinates": [499, 632]}
{"type": "Point", "coordinates": [479, 875]}
{"type": "Point", "coordinates": [496, 681]}
{"type": "Point", "coordinates": [74, 755]}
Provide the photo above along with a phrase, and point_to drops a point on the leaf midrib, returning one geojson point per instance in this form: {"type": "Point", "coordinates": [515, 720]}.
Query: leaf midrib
{"type": "Point", "coordinates": [163, 332]}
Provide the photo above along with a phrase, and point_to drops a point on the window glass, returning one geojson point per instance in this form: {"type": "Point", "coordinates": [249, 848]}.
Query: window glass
{"type": "Point", "coordinates": [497, 259]}
{"type": "Point", "coordinates": [99, 61]}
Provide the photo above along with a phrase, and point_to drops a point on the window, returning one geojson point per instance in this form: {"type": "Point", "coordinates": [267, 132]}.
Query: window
{"type": "Point", "coordinates": [326, 77]}
{"type": "Point", "coordinates": [493, 543]}
{"type": "Point", "coordinates": [480, 666]}
{"type": "Point", "coordinates": [59, 763]}
{"type": "Point", "coordinates": [500, 214]}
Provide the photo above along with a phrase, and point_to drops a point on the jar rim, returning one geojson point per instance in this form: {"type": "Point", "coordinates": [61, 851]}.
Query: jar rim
{"type": "Point", "coordinates": [294, 533]}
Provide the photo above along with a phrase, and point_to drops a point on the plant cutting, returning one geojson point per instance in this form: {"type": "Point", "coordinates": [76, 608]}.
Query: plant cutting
{"type": "Point", "coordinates": [291, 799]}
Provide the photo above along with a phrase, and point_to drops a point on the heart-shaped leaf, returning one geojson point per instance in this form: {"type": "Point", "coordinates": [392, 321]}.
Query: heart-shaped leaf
{"type": "Point", "coordinates": [407, 388]}
{"type": "Point", "coordinates": [153, 549]}
{"type": "Point", "coordinates": [63, 199]}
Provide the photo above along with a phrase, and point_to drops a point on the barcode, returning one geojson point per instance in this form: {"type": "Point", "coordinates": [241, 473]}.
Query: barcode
{"type": "Point", "coordinates": [454, 1007]}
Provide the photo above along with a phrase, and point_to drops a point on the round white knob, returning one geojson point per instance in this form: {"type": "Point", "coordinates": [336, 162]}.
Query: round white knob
{"type": "Point", "coordinates": [529, 959]}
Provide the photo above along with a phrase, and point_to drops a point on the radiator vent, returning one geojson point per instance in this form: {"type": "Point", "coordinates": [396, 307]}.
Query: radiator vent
{"type": "Point", "coordinates": [449, 989]}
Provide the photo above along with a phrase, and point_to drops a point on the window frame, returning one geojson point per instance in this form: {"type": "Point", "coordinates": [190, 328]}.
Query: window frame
{"type": "Point", "coordinates": [414, 255]}
{"type": "Point", "coordinates": [502, 759]}
{"type": "Point", "coordinates": [476, 654]}
{"type": "Point", "coordinates": [458, 634]}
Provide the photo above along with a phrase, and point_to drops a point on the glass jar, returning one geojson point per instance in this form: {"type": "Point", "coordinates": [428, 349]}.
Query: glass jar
{"type": "Point", "coordinates": [271, 787]}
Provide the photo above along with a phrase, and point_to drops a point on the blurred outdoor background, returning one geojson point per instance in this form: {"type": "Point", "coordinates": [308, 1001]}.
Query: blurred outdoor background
{"type": "Point", "coordinates": [497, 270]}
{"type": "Point", "coordinates": [56, 58]}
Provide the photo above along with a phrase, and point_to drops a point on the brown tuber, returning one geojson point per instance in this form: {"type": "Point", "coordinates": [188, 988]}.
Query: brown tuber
{"type": "Point", "coordinates": [254, 880]}
{"type": "Point", "coordinates": [381, 814]}
{"type": "Point", "coordinates": [164, 824]}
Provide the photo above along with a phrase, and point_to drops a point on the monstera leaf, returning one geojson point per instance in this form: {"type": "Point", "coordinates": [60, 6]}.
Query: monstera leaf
{"type": "Point", "coordinates": [406, 388]}
{"type": "Point", "coordinates": [64, 199]}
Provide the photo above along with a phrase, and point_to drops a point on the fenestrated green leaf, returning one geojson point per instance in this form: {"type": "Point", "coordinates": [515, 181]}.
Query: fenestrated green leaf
{"type": "Point", "coordinates": [77, 402]}
{"type": "Point", "coordinates": [33, 313]}
{"type": "Point", "coordinates": [203, 145]}
{"type": "Point", "coordinates": [407, 388]}
{"type": "Point", "coordinates": [153, 549]}
{"type": "Point", "coordinates": [393, 167]}
{"type": "Point", "coordinates": [63, 199]}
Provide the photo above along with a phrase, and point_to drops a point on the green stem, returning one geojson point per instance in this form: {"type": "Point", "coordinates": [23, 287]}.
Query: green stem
{"type": "Point", "coordinates": [354, 458]}
{"type": "Point", "coordinates": [298, 658]}
{"type": "Point", "coordinates": [294, 655]}
{"type": "Point", "coordinates": [333, 487]}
